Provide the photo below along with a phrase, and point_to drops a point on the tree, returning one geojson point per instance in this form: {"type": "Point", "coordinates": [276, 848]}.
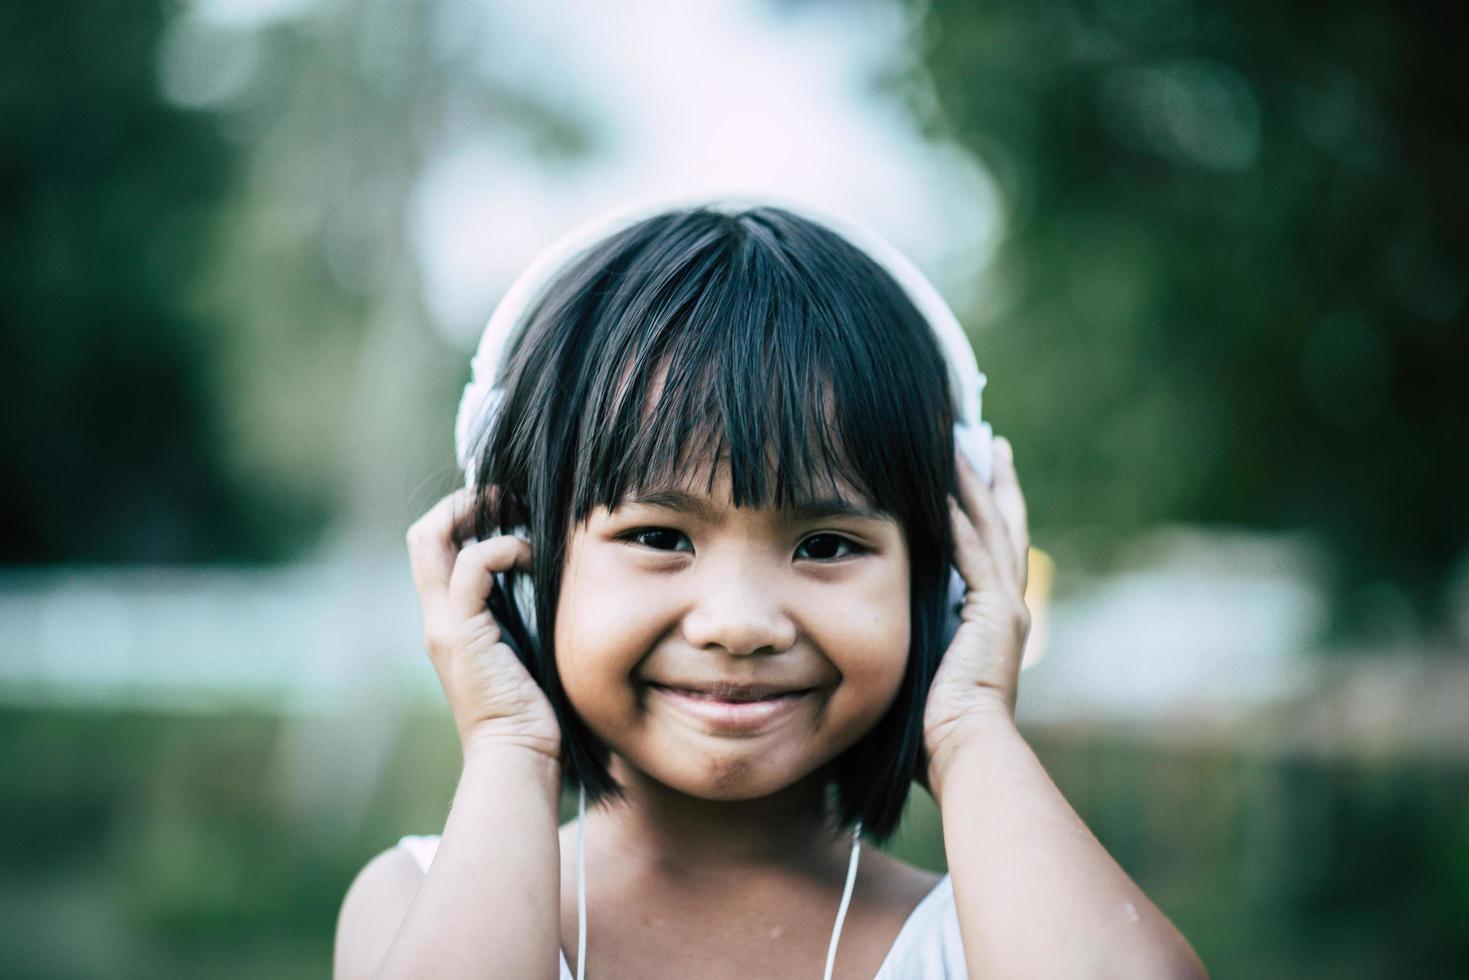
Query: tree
{"type": "Point", "coordinates": [1233, 284]}
{"type": "Point", "coordinates": [112, 444]}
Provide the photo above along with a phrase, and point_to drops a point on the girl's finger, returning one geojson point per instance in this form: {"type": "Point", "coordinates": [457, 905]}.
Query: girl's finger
{"type": "Point", "coordinates": [435, 538]}
{"type": "Point", "coordinates": [474, 570]}
{"type": "Point", "coordinates": [433, 543]}
{"type": "Point", "coordinates": [1011, 504]}
{"type": "Point", "coordinates": [979, 503]}
{"type": "Point", "coordinates": [975, 563]}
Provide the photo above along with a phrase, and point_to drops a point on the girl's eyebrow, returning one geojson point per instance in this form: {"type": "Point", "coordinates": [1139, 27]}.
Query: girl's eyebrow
{"type": "Point", "coordinates": [815, 509]}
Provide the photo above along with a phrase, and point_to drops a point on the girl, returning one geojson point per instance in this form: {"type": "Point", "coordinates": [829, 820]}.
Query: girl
{"type": "Point", "coordinates": [751, 593]}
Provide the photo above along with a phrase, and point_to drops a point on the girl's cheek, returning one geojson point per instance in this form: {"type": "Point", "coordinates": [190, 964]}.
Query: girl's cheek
{"type": "Point", "coordinates": [869, 645]}
{"type": "Point", "coordinates": [606, 620]}
{"type": "Point", "coordinates": [866, 621]}
{"type": "Point", "coordinates": [878, 637]}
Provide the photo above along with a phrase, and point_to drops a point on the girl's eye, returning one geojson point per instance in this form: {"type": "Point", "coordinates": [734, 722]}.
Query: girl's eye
{"type": "Point", "coordinates": [828, 547]}
{"type": "Point", "coordinates": [658, 538]}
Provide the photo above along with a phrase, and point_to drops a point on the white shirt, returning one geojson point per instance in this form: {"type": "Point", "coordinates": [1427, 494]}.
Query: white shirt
{"type": "Point", "coordinates": [927, 947]}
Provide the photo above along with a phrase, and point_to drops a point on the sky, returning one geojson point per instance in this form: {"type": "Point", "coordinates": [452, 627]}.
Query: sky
{"type": "Point", "coordinates": [711, 97]}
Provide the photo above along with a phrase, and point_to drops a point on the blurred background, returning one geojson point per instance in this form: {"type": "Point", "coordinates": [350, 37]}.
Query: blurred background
{"type": "Point", "coordinates": [1212, 258]}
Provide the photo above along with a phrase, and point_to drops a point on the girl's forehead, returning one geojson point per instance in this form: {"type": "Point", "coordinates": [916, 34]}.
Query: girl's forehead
{"type": "Point", "coordinates": [706, 488]}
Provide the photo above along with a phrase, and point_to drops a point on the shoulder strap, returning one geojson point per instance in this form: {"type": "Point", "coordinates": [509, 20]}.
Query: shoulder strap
{"type": "Point", "coordinates": [421, 847]}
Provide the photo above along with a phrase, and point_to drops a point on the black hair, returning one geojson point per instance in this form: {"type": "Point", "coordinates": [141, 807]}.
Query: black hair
{"type": "Point", "coordinates": [784, 351]}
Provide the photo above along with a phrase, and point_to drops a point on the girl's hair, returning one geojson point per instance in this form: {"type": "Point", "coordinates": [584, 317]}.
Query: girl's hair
{"type": "Point", "coordinates": [783, 350]}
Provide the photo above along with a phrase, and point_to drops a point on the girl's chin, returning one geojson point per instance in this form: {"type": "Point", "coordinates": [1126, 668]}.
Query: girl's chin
{"type": "Point", "coordinates": [719, 774]}
{"type": "Point", "coordinates": [730, 783]}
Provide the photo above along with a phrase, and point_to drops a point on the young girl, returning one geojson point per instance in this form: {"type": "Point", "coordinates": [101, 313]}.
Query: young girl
{"type": "Point", "coordinates": [750, 593]}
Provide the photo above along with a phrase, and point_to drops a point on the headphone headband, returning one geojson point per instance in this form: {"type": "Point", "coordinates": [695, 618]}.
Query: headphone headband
{"type": "Point", "coordinates": [482, 393]}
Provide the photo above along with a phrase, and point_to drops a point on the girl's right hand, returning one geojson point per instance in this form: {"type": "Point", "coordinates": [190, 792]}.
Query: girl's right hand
{"type": "Point", "coordinates": [492, 696]}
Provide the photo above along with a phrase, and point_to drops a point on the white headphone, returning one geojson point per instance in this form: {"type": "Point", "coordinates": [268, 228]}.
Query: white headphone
{"type": "Point", "coordinates": [484, 392]}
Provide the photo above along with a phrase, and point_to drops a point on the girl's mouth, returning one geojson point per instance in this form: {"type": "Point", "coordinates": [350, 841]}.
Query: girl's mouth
{"type": "Point", "coordinates": [743, 717]}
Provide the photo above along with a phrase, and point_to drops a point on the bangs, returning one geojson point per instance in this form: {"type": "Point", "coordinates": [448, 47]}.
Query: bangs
{"type": "Point", "coordinates": [785, 364]}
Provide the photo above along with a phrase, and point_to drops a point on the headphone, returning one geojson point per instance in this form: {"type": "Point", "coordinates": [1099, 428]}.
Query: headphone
{"type": "Point", "coordinates": [485, 390]}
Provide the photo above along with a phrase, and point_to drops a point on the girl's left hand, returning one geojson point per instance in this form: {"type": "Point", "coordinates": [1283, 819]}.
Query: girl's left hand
{"type": "Point", "coordinates": [977, 678]}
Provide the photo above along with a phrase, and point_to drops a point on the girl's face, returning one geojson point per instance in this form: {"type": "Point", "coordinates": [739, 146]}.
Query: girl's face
{"type": "Point", "coordinates": [671, 595]}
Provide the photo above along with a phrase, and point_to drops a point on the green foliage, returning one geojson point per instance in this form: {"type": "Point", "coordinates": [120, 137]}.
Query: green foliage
{"type": "Point", "coordinates": [113, 443]}
{"type": "Point", "coordinates": [168, 845]}
{"type": "Point", "coordinates": [1232, 287]}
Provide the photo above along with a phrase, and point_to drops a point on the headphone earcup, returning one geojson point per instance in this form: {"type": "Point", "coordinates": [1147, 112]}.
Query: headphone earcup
{"type": "Point", "coordinates": [977, 443]}
{"type": "Point", "coordinates": [952, 605]}
{"type": "Point", "coordinates": [469, 433]}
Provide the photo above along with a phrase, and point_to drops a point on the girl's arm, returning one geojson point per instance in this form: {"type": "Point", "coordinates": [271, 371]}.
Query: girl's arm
{"type": "Point", "coordinates": [1036, 893]}
{"type": "Point", "coordinates": [490, 904]}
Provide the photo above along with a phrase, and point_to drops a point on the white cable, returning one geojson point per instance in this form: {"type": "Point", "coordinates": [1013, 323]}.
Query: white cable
{"type": "Point", "coordinates": [836, 933]}
{"type": "Point", "coordinates": [581, 891]}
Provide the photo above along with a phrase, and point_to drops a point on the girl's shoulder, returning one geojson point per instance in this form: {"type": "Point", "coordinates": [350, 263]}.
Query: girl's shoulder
{"type": "Point", "coordinates": [423, 847]}
{"type": "Point", "coordinates": [375, 905]}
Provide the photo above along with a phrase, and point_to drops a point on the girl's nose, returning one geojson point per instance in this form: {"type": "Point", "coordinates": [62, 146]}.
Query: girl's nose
{"type": "Point", "coordinates": [740, 614]}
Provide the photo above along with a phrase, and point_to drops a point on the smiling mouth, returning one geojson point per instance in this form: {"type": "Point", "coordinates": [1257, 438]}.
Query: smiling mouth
{"type": "Point", "coordinates": [724, 716]}
{"type": "Point", "coordinates": [729, 694]}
